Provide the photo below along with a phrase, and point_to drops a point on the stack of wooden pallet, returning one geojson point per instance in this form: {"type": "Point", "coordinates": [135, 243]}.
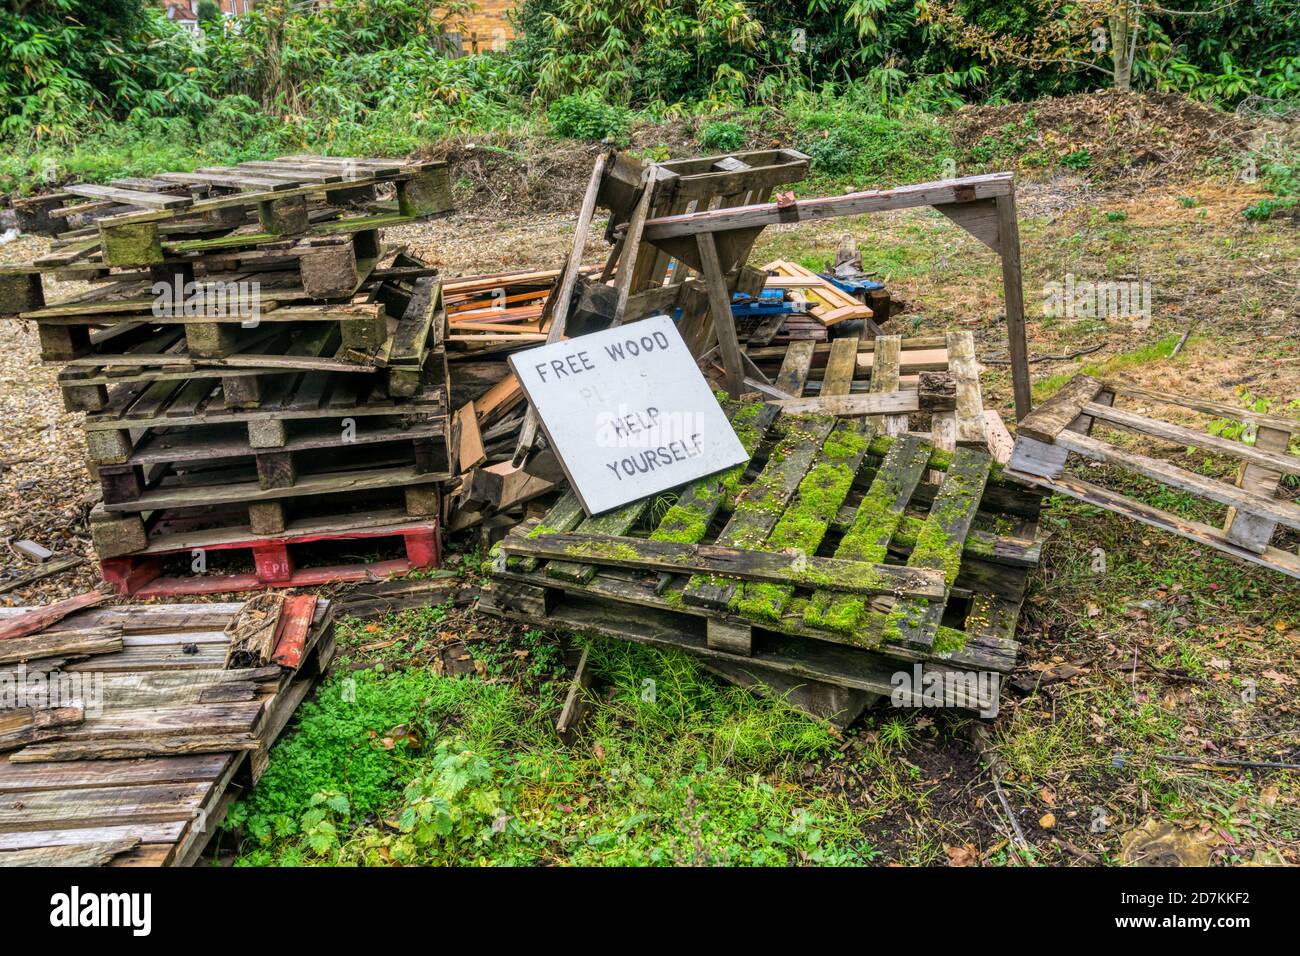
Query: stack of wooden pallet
{"type": "Point", "coordinates": [142, 722]}
{"type": "Point", "coordinates": [850, 548]}
{"type": "Point", "coordinates": [258, 372]}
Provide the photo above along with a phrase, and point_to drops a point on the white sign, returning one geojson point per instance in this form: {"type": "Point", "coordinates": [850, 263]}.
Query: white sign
{"type": "Point", "coordinates": [627, 412]}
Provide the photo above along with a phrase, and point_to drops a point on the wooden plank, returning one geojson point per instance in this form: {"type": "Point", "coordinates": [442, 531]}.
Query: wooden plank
{"type": "Point", "coordinates": [1252, 531]}
{"type": "Point", "coordinates": [972, 429]}
{"type": "Point", "coordinates": [558, 305]}
{"type": "Point", "coordinates": [885, 369]}
{"type": "Point", "coordinates": [470, 452]}
{"type": "Point", "coordinates": [87, 854]}
{"type": "Point", "coordinates": [1207, 407]}
{"type": "Point", "coordinates": [131, 197]}
{"type": "Point", "coordinates": [88, 773]}
{"type": "Point", "coordinates": [1270, 454]}
{"type": "Point", "coordinates": [643, 554]}
{"type": "Point", "coordinates": [795, 367]}
{"type": "Point", "coordinates": [724, 324]}
{"type": "Point", "coordinates": [1055, 415]}
{"type": "Point", "coordinates": [1273, 558]}
{"type": "Point", "coordinates": [967, 189]}
{"type": "Point", "coordinates": [28, 725]}
{"type": "Point", "coordinates": [1242, 498]}
{"type": "Point", "coordinates": [840, 368]}
{"type": "Point", "coordinates": [571, 713]}
{"type": "Point", "coordinates": [852, 406]}
{"type": "Point", "coordinates": [941, 544]}
{"type": "Point", "coordinates": [148, 832]}
{"type": "Point", "coordinates": [31, 620]}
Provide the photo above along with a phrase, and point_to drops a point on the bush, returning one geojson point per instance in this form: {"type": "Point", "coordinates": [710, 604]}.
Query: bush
{"type": "Point", "coordinates": [587, 116]}
{"type": "Point", "coordinates": [722, 137]}
{"type": "Point", "coordinates": [862, 148]}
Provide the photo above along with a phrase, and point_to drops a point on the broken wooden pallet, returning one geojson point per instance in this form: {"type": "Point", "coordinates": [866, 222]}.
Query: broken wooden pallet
{"type": "Point", "coordinates": [777, 567]}
{"type": "Point", "coordinates": [330, 401]}
{"type": "Point", "coordinates": [1257, 508]}
{"type": "Point", "coordinates": [144, 779]}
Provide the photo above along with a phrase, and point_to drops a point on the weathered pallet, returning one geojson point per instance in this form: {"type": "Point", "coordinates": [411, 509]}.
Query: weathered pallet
{"type": "Point", "coordinates": [791, 547]}
{"type": "Point", "coordinates": [1062, 426]}
{"type": "Point", "coordinates": [288, 401]}
{"type": "Point", "coordinates": [266, 361]}
{"type": "Point", "coordinates": [288, 197]}
{"type": "Point", "coordinates": [176, 515]}
{"type": "Point", "coordinates": [221, 455]}
{"type": "Point", "coordinates": [276, 561]}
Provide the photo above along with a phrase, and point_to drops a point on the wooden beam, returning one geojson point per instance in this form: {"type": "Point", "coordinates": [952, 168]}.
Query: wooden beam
{"type": "Point", "coordinates": [966, 189]}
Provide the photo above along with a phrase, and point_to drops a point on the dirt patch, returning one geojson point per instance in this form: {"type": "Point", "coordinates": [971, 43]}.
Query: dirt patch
{"type": "Point", "coordinates": [1118, 138]}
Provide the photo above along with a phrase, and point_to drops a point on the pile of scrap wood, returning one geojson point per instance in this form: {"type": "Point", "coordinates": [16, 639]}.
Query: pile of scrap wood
{"type": "Point", "coordinates": [127, 731]}
{"type": "Point", "coordinates": [258, 373]}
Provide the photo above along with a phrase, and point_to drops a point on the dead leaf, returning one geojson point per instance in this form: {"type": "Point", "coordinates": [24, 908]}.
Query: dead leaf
{"type": "Point", "coordinates": [962, 855]}
{"type": "Point", "coordinates": [1161, 843]}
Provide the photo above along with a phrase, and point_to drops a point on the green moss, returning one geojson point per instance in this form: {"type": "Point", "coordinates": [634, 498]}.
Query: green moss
{"type": "Point", "coordinates": [934, 550]}
{"type": "Point", "coordinates": [597, 550]}
{"type": "Point", "coordinates": [948, 640]}
{"type": "Point", "coordinates": [682, 523]}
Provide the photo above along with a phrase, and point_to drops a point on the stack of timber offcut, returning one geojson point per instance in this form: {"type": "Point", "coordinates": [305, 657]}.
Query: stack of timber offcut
{"type": "Point", "coordinates": [259, 374]}
{"type": "Point", "coordinates": [872, 532]}
{"type": "Point", "coordinates": [140, 724]}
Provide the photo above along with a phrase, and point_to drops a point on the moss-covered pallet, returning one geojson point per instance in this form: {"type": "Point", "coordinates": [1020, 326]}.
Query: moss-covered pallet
{"type": "Point", "coordinates": [837, 552]}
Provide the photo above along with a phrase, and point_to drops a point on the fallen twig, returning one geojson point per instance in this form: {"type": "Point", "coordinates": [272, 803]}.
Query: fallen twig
{"type": "Point", "coordinates": [1229, 762]}
{"type": "Point", "coordinates": [55, 566]}
{"type": "Point", "coordinates": [1047, 358]}
{"type": "Point", "coordinates": [993, 761]}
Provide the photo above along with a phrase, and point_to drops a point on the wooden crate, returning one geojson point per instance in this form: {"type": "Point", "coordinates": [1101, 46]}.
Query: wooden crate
{"type": "Point", "coordinates": [748, 569]}
{"type": "Point", "coordinates": [1063, 426]}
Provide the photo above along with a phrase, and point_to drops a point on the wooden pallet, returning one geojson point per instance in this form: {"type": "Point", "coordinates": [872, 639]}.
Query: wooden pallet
{"type": "Point", "coordinates": [274, 320]}
{"type": "Point", "coordinates": [832, 557]}
{"type": "Point", "coordinates": [288, 197]}
{"type": "Point", "coordinates": [257, 364]}
{"type": "Point", "coordinates": [184, 729]}
{"type": "Point", "coordinates": [1063, 425]}
{"type": "Point", "coordinates": [289, 401]}
{"type": "Point", "coordinates": [196, 457]}
{"type": "Point", "coordinates": [180, 514]}
{"type": "Point", "coordinates": [274, 561]}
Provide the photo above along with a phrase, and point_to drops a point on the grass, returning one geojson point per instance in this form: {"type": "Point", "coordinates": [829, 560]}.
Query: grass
{"type": "Point", "coordinates": [672, 767]}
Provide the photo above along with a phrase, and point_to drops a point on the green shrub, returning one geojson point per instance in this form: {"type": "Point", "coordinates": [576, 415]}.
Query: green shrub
{"type": "Point", "coordinates": [587, 116]}
{"type": "Point", "coordinates": [1079, 159]}
{"type": "Point", "coordinates": [724, 136]}
{"type": "Point", "coordinates": [859, 148]}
